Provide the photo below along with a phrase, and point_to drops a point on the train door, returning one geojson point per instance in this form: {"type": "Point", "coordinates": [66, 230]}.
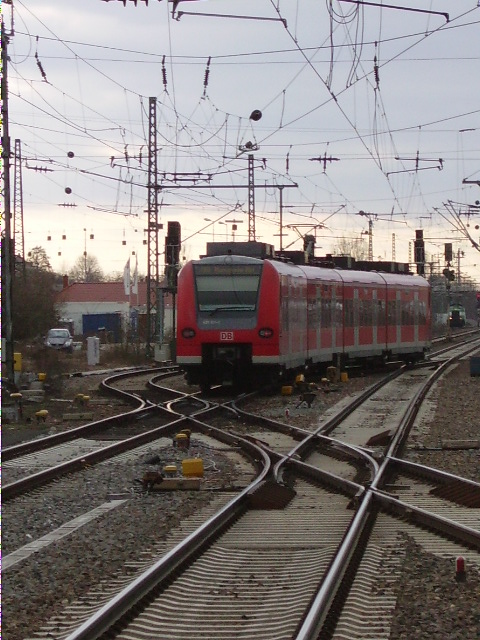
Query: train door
{"type": "Point", "coordinates": [416, 317]}
{"type": "Point", "coordinates": [424, 321]}
{"type": "Point", "coordinates": [365, 312]}
{"type": "Point", "coordinates": [398, 318]}
{"type": "Point", "coordinates": [380, 316]}
{"type": "Point", "coordinates": [356, 318]}
{"type": "Point", "coordinates": [284, 346]}
{"type": "Point", "coordinates": [314, 319]}
{"type": "Point", "coordinates": [392, 321]}
{"type": "Point", "coordinates": [337, 315]}
{"type": "Point", "coordinates": [297, 318]}
{"type": "Point", "coordinates": [350, 309]}
{"type": "Point", "coordinates": [407, 316]}
{"type": "Point", "coordinates": [327, 327]}
{"type": "Point", "coordinates": [301, 304]}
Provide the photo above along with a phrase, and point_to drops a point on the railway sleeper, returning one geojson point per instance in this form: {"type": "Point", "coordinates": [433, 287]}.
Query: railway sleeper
{"type": "Point", "coordinates": [270, 495]}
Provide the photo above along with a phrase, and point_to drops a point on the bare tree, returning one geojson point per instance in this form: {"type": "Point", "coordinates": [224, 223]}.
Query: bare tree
{"type": "Point", "coordinates": [38, 259]}
{"type": "Point", "coordinates": [354, 247]}
{"type": "Point", "coordinates": [33, 300]}
{"type": "Point", "coordinates": [86, 269]}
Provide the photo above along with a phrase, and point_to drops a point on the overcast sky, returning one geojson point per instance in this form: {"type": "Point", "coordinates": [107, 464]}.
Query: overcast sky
{"type": "Point", "coordinates": [386, 100]}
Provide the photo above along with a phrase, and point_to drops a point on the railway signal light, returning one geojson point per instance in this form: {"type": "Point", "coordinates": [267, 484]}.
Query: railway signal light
{"type": "Point", "coordinates": [419, 247]}
{"type": "Point", "coordinates": [172, 243]}
{"type": "Point", "coordinates": [448, 252]}
{"type": "Point", "coordinates": [449, 274]}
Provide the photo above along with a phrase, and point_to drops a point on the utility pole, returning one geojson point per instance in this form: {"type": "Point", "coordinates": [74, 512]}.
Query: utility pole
{"type": "Point", "coordinates": [249, 146]}
{"type": "Point", "coordinates": [251, 199]}
{"type": "Point", "coordinates": [369, 232]}
{"type": "Point", "coordinates": [281, 216]}
{"type": "Point", "coordinates": [152, 230]}
{"type": "Point", "coordinates": [18, 229]}
{"type": "Point", "coordinates": [370, 240]}
{"type": "Point", "coordinates": [460, 255]}
{"type": "Point", "coordinates": [7, 262]}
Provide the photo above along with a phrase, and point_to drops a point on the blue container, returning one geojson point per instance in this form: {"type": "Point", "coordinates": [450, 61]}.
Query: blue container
{"type": "Point", "coordinates": [94, 323]}
{"type": "Point", "coordinates": [475, 366]}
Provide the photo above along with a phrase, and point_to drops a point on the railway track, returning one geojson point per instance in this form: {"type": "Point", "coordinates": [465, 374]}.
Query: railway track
{"type": "Point", "coordinates": [75, 449]}
{"type": "Point", "coordinates": [316, 479]}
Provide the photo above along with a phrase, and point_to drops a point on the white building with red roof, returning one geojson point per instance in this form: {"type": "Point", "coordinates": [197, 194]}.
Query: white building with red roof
{"type": "Point", "coordinates": [104, 309]}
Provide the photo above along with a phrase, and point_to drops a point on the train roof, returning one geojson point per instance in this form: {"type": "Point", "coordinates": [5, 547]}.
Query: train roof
{"type": "Point", "coordinates": [365, 277]}
{"type": "Point", "coordinates": [332, 275]}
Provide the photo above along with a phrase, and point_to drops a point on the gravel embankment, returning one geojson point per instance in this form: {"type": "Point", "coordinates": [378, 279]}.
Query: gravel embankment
{"type": "Point", "coordinates": [44, 583]}
{"type": "Point", "coordinates": [455, 418]}
{"type": "Point", "coordinates": [430, 605]}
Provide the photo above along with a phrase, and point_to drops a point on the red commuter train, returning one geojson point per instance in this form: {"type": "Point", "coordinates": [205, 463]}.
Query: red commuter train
{"type": "Point", "coordinates": [248, 321]}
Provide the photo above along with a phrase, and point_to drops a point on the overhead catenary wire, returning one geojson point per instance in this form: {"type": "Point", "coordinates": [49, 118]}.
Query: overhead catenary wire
{"type": "Point", "coordinates": [192, 138]}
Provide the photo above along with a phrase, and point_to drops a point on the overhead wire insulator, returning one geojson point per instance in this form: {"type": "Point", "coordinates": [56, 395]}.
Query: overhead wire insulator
{"type": "Point", "coordinates": [164, 74]}
{"type": "Point", "coordinates": [205, 80]}
{"type": "Point", "coordinates": [39, 64]}
{"type": "Point", "coordinates": [375, 72]}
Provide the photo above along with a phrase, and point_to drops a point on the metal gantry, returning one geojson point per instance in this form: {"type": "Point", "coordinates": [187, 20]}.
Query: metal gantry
{"type": "Point", "coordinates": [152, 229]}
{"type": "Point", "coordinates": [7, 257]}
{"type": "Point", "coordinates": [18, 228]}
{"type": "Point", "coordinates": [251, 198]}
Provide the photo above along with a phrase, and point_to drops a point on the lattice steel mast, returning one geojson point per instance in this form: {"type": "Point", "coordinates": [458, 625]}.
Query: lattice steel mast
{"type": "Point", "coordinates": [152, 230]}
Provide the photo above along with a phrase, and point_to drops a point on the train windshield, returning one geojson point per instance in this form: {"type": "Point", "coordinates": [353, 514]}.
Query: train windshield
{"type": "Point", "coordinates": [227, 287]}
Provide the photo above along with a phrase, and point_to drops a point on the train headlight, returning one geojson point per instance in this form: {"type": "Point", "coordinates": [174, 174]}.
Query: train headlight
{"type": "Point", "coordinates": [188, 332]}
{"type": "Point", "coordinates": [265, 332]}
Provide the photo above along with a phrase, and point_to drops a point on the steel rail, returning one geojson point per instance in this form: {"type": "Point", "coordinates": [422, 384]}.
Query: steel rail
{"type": "Point", "coordinates": [40, 444]}
{"type": "Point", "coordinates": [36, 480]}
{"type": "Point", "coordinates": [430, 473]}
{"type": "Point", "coordinates": [369, 500]}
{"type": "Point", "coordinates": [425, 518]}
{"type": "Point", "coordinates": [174, 560]}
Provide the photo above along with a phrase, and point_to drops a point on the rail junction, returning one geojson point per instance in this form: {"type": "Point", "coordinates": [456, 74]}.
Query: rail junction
{"type": "Point", "coordinates": [306, 543]}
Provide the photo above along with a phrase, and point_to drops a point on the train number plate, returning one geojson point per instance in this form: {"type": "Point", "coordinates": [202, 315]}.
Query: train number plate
{"type": "Point", "coordinates": [226, 336]}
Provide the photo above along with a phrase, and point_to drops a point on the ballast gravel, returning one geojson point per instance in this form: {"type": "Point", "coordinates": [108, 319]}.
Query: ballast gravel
{"type": "Point", "coordinates": [430, 604]}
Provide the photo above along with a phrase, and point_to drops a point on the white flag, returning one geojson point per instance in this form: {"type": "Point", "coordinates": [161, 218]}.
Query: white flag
{"type": "Point", "coordinates": [135, 278]}
{"type": "Point", "coordinates": [126, 278]}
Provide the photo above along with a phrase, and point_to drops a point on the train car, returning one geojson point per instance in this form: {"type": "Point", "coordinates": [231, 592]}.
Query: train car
{"type": "Point", "coordinates": [457, 316]}
{"type": "Point", "coordinates": [248, 320]}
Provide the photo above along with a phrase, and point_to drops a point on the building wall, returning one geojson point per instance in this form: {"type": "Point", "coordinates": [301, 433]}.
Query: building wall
{"type": "Point", "coordinates": [76, 310]}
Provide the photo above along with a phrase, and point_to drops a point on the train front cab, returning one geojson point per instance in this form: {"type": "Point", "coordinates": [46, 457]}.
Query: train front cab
{"type": "Point", "coordinates": [226, 320]}
{"type": "Point", "coordinates": [457, 316]}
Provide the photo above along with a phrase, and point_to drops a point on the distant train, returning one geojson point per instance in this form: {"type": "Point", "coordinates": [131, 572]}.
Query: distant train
{"type": "Point", "coordinates": [457, 316]}
{"type": "Point", "coordinates": [244, 320]}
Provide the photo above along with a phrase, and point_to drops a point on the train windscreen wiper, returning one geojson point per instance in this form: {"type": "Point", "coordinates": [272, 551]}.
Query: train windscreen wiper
{"type": "Point", "coordinates": [233, 308]}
